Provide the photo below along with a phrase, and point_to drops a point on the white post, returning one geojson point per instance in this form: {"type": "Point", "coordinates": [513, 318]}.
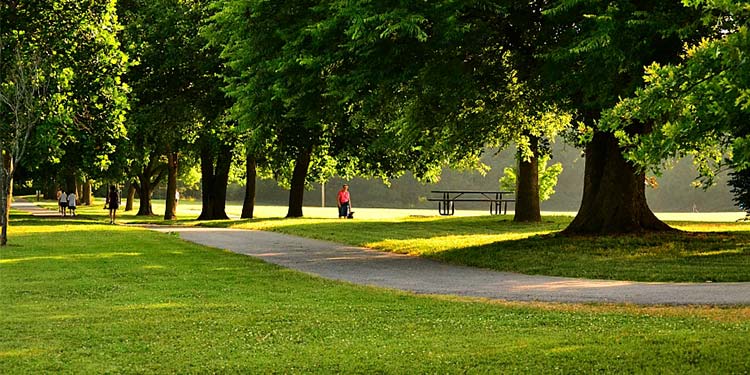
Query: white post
{"type": "Point", "coordinates": [323, 194]}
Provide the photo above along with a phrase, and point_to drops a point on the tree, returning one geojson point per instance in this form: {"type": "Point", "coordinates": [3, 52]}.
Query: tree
{"type": "Point", "coordinates": [596, 58]}
{"type": "Point", "coordinates": [174, 91]}
{"type": "Point", "coordinates": [277, 68]}
{"type": "Point", "coordinates": [48, 51]}
{"type": "Point", "coordinates": [451, 78]}
{"type": "Point", "coordinates": [699, 105]}
{"type": "Point", "coordinates": [740, 183]}
{"type": "Point", "coordinates": [547, 178]}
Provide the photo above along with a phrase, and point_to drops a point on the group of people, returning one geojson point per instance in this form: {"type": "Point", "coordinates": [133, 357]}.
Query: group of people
{"type": "Point", "coordinates": [67, 202]}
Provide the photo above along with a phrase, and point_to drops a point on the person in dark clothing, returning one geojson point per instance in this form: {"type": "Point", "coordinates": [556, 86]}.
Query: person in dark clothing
{"type": "Point", "coordinates": [113, 202]}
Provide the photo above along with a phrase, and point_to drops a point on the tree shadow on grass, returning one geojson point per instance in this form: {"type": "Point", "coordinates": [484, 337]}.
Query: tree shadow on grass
{"type": "Point", "coordinates": [668, 257]}
{"type": "Point", "coordinates": [358, 231]}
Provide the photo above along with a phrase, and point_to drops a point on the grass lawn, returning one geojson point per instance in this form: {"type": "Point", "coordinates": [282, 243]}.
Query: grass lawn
{"type": "Point", "coordinates": [707, 251]}
{"type": "Point", "coordinates": [81, 297]}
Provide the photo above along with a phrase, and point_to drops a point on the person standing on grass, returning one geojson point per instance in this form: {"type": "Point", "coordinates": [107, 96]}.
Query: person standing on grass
{"type": "Point", "coordinates": [344, 202]}
{"type": "Point", "coordinates": [113, 202]}
{"type": "Point", "coordinates": [72, 203]}
{"type": "Point", "coordinates": [63, 202]}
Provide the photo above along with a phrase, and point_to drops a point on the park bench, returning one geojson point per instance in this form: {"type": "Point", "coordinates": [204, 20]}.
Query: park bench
{"type": "Point", "coordinates": [446, 199]}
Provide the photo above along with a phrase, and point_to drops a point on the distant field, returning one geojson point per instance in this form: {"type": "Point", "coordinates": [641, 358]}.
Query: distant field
{"type": "Point", "coordinates": [496, 242]}
{"type": "Point", "coordinates": [80, 297]}
{"type": "Point", "coordinates": [191, 210]}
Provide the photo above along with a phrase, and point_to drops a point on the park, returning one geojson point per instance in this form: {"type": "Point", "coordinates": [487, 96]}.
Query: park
{"type": "Point", "coordinates": [145, 145]}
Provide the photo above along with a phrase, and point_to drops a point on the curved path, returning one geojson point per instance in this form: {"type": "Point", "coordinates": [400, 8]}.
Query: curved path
{"type": "Point", "coordinates": [420, 275]}
{"type": "Point", "coordinates": [424, 276]}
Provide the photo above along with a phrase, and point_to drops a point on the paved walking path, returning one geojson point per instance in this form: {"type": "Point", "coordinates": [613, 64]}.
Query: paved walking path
{"type": "Point", "coordinates": [419, 275]}
{"type": "Point", "coordinates": [424, 276]}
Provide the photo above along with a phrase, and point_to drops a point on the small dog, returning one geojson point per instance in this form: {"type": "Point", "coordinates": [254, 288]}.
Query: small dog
{"type": "Point", "coordinates": [351, 215]}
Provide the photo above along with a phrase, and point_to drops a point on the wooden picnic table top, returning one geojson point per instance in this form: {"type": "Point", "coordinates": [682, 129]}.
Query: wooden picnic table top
{"type": "Point", "coordinates": [472, 191]}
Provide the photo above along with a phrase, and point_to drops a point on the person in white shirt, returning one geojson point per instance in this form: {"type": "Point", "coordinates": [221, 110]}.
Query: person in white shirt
{"type": "Point", "coordinates": [72, 203]}
{"type": "Point", "coordinates": [63, 202]}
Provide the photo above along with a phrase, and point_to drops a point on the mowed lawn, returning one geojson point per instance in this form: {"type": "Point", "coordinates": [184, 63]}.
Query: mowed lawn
{"type": "Point", "coordinates": [703, 252]}
{"type": "Point", "coordinates": [82, 297]}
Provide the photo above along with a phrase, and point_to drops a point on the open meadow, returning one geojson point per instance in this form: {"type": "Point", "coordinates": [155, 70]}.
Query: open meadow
{"type": "Point", "coordinates": [83, 297]}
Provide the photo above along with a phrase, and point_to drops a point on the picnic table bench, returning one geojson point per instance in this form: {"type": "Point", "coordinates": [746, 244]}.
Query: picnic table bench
{"type": "Point", "coordinates": [446, 199]}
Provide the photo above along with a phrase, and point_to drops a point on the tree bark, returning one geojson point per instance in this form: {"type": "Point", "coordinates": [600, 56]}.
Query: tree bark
{"type": "Point", "coordinates": [614, 194]}
{"type": "Point", "coordinates": [297, 191]}
{"type": "Point", "coordinates": [70, 182]}
{"type": "Point", "coordinates": [86, 197]}
{"type": "Point", "coordinates": [248, 206]}
{"type": "Point", "coordinates": [6, 194]}
{"type": "Point", "coordinates": [131, 196]}
{"type": "Point", "coordinates": [146, 187]}
{"type": "Point", "coordinates": [527, 192]}
{"type": "Point", "coordinates": [214, 180]}
{"type": "Point", "coordinates": [170, 212]}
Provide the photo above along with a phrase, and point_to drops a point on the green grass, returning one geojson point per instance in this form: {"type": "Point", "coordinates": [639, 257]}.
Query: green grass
{"type": "Point", "coordinates": [79, 297]}
{"type": "Point", "coordinates": [716, 252]}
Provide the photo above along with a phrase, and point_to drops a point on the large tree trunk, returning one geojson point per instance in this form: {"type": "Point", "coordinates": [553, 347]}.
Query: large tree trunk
{"type": "Point", "coordinates": [214, 180]}
{"type": "Point", "coordinates": [130, 188]}
{"type": "Point", "coordinates": [70, 183]}
{"type": "Point", "coordinates": [297, 191]}
{"type": "Point", "coordinates": [145, 190]}
{"type": "Point", "coordinates": [86, 197]}
{"type": "Point", "coordinates": [170, 212]}
{"type": "Point", "coordinates": [146, 186]}
{"type": "Point", "coordinates": [6, 194]}
{"type": "Point", "coordinates": [614, 193]}
{"type": "Point", "coordinates": [527, 192]}
{"type": "Point", "coordinates": [248, 206]}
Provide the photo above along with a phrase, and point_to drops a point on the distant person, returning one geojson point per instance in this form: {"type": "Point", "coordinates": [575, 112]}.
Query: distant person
{"type": "Point", "coordinates": [63, 202]}
{"type": "Point", "coordinates": [72, 203]}
{"type": "Point", "coordinates": [176, 198]}
{"type": "Point", "coordinates": [113, 202]}
{"type": "Point", "coordinates": [57, 198]}
{"type": "Point", "coordinates": [344, 202]}
{"type": "Point", "coordinates": [38, 195]}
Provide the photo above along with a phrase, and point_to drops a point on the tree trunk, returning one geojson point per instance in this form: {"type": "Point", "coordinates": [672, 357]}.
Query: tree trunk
{"type": "Point", "coordinates": [6, 194]}
{"type": "Point", "coordinates": [214, 180]}
{"type": "Point", "coordinates": [297, 191]}
{"type": "Point", "coordinates": [70, 183]}
{"type": "Point", "coordinates": [87, 196]}
{"type": "Point", "coordinates": [145, 190]}
{"type": "Point", "coordinates": [50, 189]}
{"type": "Point", "coordinates": [131, 196]}
{"type": "Point", "coordinates": [146, 185]}
{"type": "Point", "coordinates": [248, 206]}
{"type": "Point", "coordinates": [614, 193]}
{"type": "Point", "coordinates": [170, 212]}
{"type": "Point", "coordinates": [527, 192]}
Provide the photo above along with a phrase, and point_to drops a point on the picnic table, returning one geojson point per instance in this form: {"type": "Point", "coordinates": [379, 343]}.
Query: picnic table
{"type": "Point", "coordinates": [446, 199]}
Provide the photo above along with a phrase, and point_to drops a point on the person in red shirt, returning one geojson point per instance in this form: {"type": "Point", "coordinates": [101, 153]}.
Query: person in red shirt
{"type": "Point", "coordinates": [344, 201]}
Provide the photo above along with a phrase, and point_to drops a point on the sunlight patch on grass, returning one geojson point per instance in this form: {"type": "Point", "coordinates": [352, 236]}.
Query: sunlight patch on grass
{"type": "Point", "coordinates": [714, 253]}
{"type": "Point", "coordinates": [437, 244]}
{"type": "Point", "coordinates": [21, 353]}
{"type": "Point", "coordinates": [152, 306]}
{"type": "Point", "coordinates": [68, 257]}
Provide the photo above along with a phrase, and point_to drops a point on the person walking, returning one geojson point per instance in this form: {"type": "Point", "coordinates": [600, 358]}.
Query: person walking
{"type": "Point", "coordinates": [72, 203]}
{"type": "Point", "coordinates": [57, 197]}
{"type": "Point", "coordinates": [63, 202]}
{"type": "Point", "coordinates": [344, 201]}
{"type": "Point", "coordinates": [113, 202]}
